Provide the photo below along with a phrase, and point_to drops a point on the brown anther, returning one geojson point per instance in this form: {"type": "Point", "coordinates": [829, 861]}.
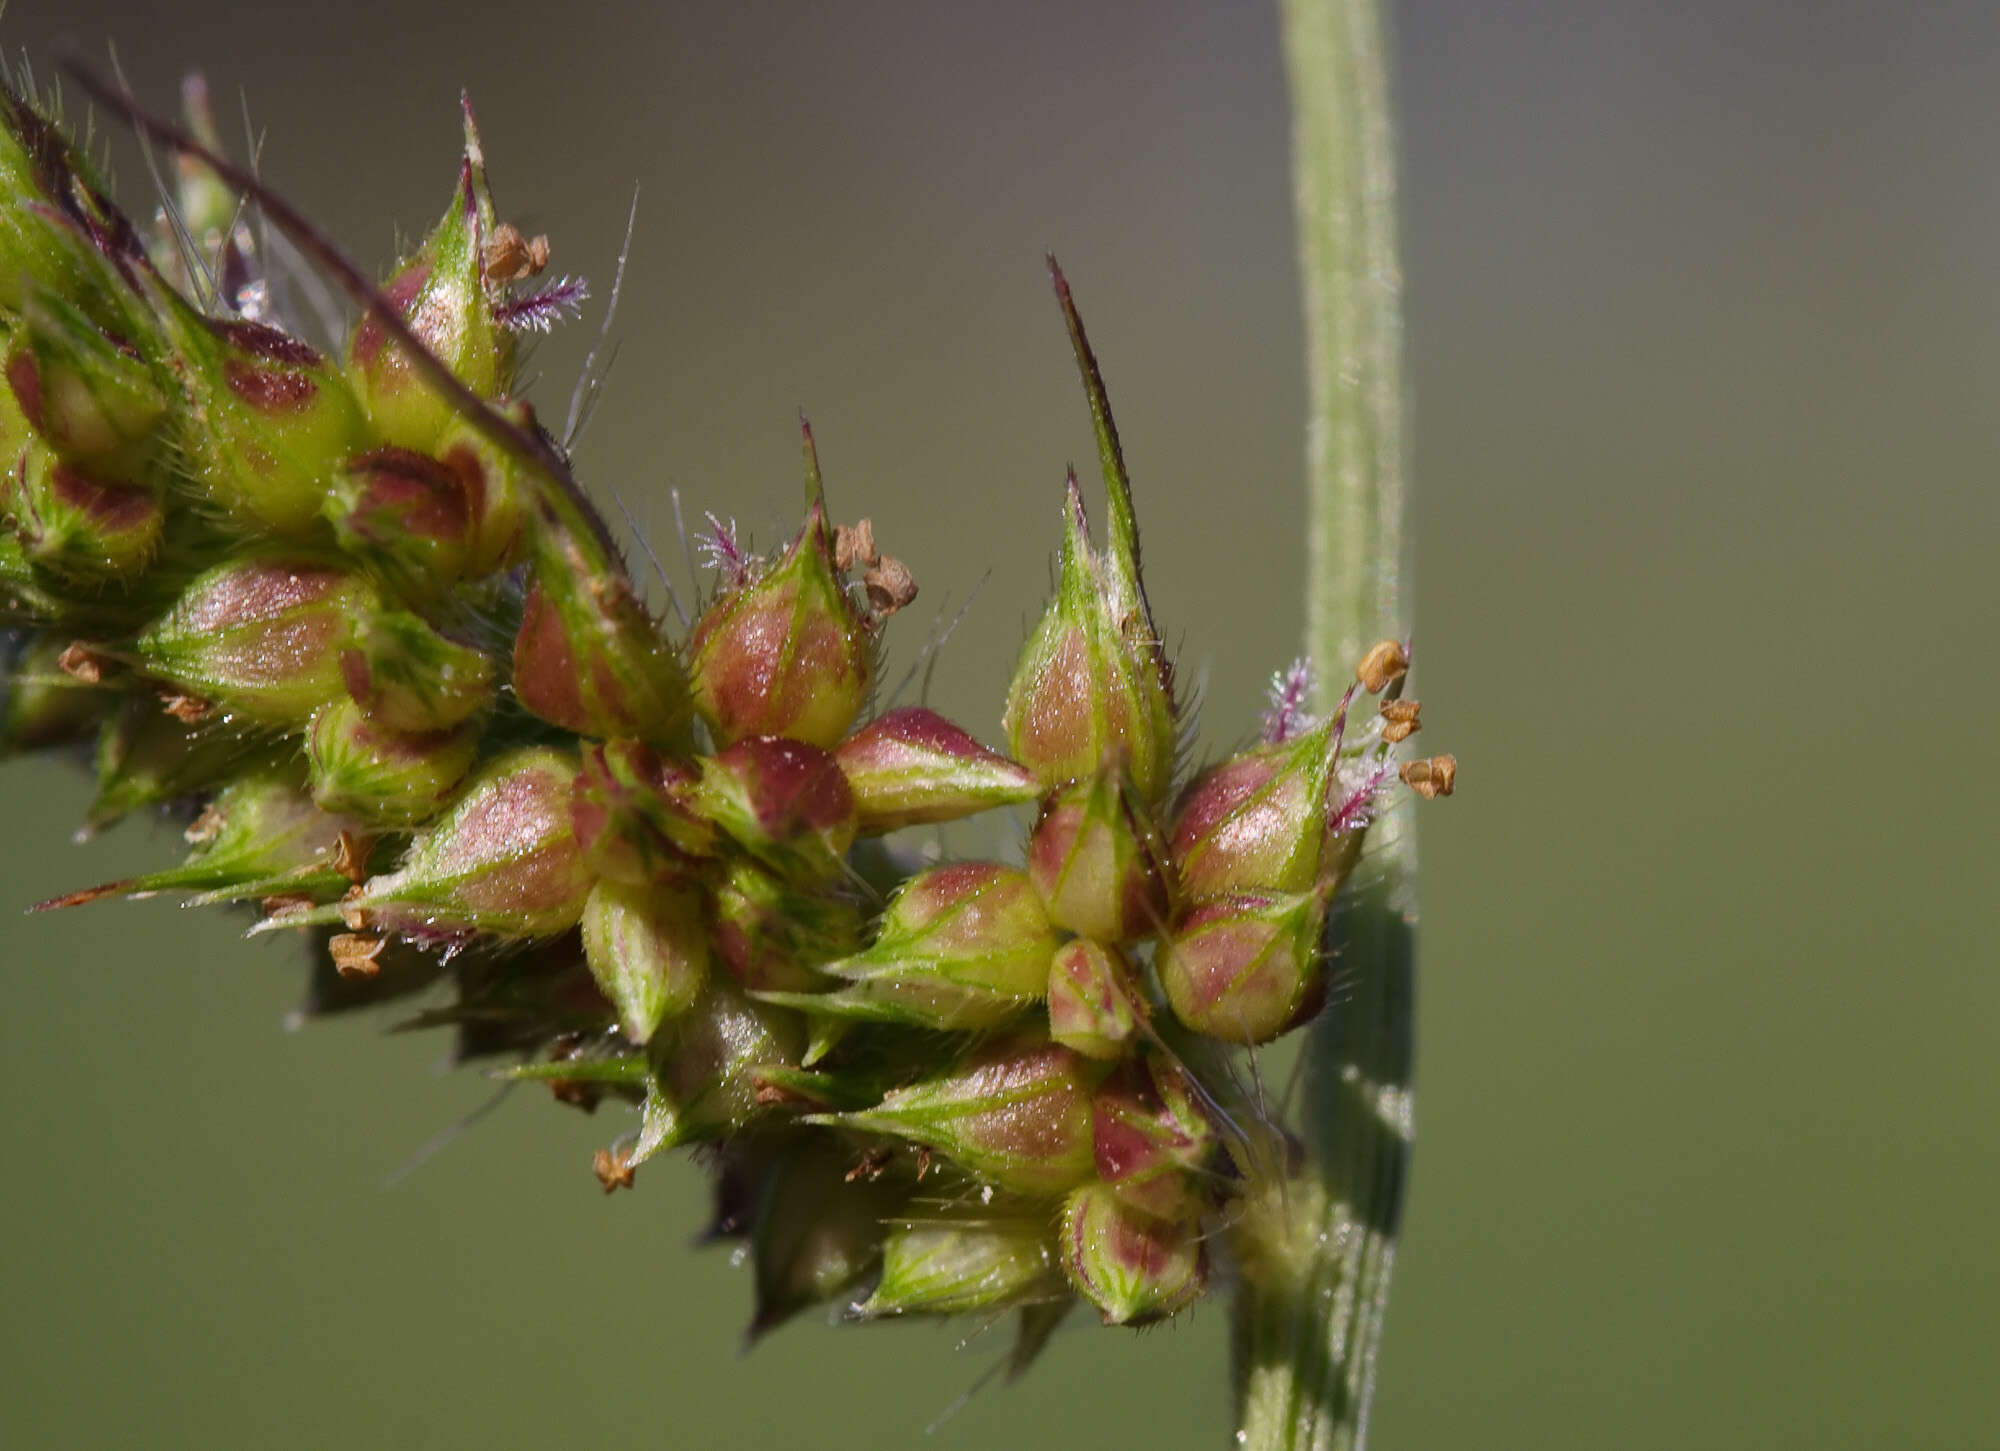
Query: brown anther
{"type": "Point", "coordinates": [854, 546]}
{"type": "Point", "coordinates": [773, 1095]}
{"type": "Point", "coordinates": [350, 855]}
{"type": "Point", "coordinates": [613, 1170]}
{"type": "Point", "coordinates": [357, 917]}
{"type": "Point", "coordinates": [890, 586]}
{"type": "Point", "coordinates": [204, 828]}
{"type": "Point", "coordinates": [874, 1164]}
{"type": "Point", "coordinates": [1399, 720]}
{"type": "Point", "coordinates": [510, 257]}
{"type": "Point", "coordinates": [923, 1161]}
{"type": "Point", "coordinates": [1385, 662]}
{"type": "Point", "coordinates": [576, 1093]}
{"type": "Point", "coordinates": [187, 709]}
{"type": "Point", "coordinates": [355, 954]}
{"type": "Point", "coordinates": [1433, 777]}
{"type": "Point", "coordinates": [279, 903]}
{"type": "Point", "coordinates": [82, 663]}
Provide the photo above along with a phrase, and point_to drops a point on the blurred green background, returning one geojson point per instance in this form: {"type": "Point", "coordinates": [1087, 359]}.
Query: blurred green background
{"type": "Point", "coordinates": [1703, 332]}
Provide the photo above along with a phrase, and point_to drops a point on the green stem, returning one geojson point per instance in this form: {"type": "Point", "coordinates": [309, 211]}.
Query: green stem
{"type": "Point", "coordinates": [1317, 1247]}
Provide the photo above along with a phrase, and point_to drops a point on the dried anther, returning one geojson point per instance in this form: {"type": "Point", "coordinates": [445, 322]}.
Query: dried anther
{"type": "Point", "coordinates": [81, 663]}
{"type": "Point", "coordinates": [874, 1164]}
{"type": "Point", "coordinates": [356, 954]}
{"type": "Point", "coordinates": [890, 586]}
{"type": "Point", "coordinates": [1386, 662]}
{"type": "Point", "coordinates": [353, 915]}
{"type": "Point", "coordinates": [351, 857]}
{"type": "Point", "coordinates": [1432, 777]}
{"type": "Point", "coordinates": [204, 828]}
{"type": "Point", "coordinates": [187, 709]}
{"type": "Point", "coordinates": [1399, 720]}
{"type": "Point", "coordinates": [510, 257]}
{"type": "Point", "coordinates": [856, 545]}
{"type": "Point", "coordinates": [614, 1169]}
{"type": "Point", "coordinates": [888, 580]}
{"type": "Point", "coordinates": [778, 1095]}
{"type": "Point", "coordinates": [576, 1093]}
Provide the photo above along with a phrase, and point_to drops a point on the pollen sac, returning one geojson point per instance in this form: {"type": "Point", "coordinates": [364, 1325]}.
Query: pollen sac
{"type": "Point", "coordinates": [1255, 822]}
{"type": "Point", "coordinates": [78, 526]}
{"type": "Point", "coordinates": [1092, 689]}
{"type": "Point", "coordinates": [635, 813]}
{"type": "Point", "coordinates": [1150, 1137]}
{"type": "Point", "coordinates": [773, 937]}
{"type": "Point", "coordinates": [501, 860]}
{"type": "Point", "coordinates": [405, 513]}
{"type": "Point", "coordinates": [1133, 1267]}
{"type": "Point", "coordinates": [785, 653]}
{"type": "Point", "coordinates": [442, 294]}
{"type": "Point", "coordinates": [383, 777]}
{"type": "Point", "coordinates": [588, 657]}
{"type": "Point", "coordinates": [1246, 967]}
{"type": "Point", "coordinates": [1098, 863]}
{"type": "Point", "coordinates": [912, 766]}
{"type": "Point", "coordinates": [408, 677]}
{"type": "Point", "coordinates": [964, 1265]}
{"type": "Point", "coordinates": [784, 801]}
{"type": "Point", "coordinates": [490, 479]}
{"type": "Point", "coordinates": [270, 421]}
{"type": "Point", "coordinates": [966, 945]}
{"type": "Point", "coordinates": [261, 638]}
{"type": "Point", "coordinates": [93, 398]}
{"type": "Point", "coordinates": [1093, 1005]}
{"type": "Point", "coordinates": [703, 1079]}
{"type": "Point", "coordinates": [1015, 1114]}
{"type": "Point", "coordinates": [648, 949]}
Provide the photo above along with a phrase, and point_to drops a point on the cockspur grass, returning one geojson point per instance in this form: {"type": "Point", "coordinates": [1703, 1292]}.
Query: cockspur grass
{"type": "Point", "coordinates": [347, 616]}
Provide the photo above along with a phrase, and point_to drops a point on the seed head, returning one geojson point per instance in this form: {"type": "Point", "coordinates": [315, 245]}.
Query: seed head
{"type": "Point", "coordinates": [636, 815]}
{"type": "Point", "coordinates": [783, 801]}
{"type": "Point", "coordinates": [1016, 1114]}
{"type": "Point", "coordinates": [502, 860]}
{"type": "Point", "coordinates": [964, 1265]}
{"type": "Point", "coordinates": [1150, 1136]}
{"type": "Point", "coordinates": [1133, 1267]}
{"type": "Point", "coordinates": [962, 946]}
{"type": "Point", "coordinates": [1091, 690]}
{"type": "Point", "coordinates": [1255, 822]}
{"type": "Point", "coordinates": [1094, 1006]}
{"type": "Point", "coordinates": [785, 653]}
{"type": "Point", "coordinates": [94, 399]}
{"type": "Point", "coordinates": [911, 766]}
{"type": "Point", "coordinates": [1245, 967]}
{"type": "Point", "coordinates": [261, 637]}
{"type": "Point", "coordinates": [444, 295]}
{"type": "Point", "coordinates": [1098, 863]}
{"type": "Point", "coordinates": [385, 778]}
{"type": "Point", "coordinates": [410, 677]}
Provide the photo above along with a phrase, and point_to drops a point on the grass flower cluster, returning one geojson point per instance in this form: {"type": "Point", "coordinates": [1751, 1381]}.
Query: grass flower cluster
{"type": "Point", "coordinates": [345, 614]}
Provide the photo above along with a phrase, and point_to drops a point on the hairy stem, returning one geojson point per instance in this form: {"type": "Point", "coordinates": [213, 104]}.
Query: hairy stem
{"type": "Point", "coordinates": [1318, 1251]}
